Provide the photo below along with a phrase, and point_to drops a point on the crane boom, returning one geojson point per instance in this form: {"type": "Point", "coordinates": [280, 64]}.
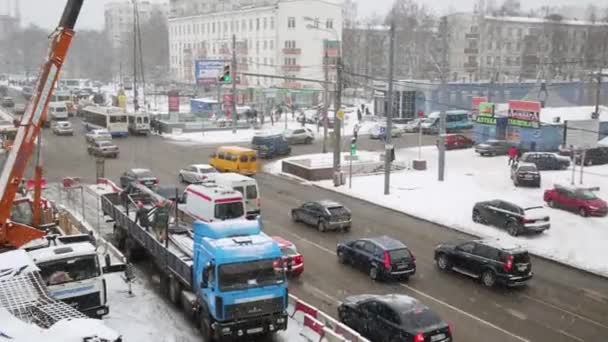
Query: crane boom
{"type": "Point", "coordinates": [11, 233]}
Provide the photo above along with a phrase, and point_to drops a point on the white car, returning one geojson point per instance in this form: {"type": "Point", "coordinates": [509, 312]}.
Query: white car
{"type": "Point", "coordinates": [98, 135]}
{"type": "Point", "coordinates": [196, 173]}
{"type": "Point", "coordinates": [299, 136]}
{"type": "Point", "coordinates": [62, 128]}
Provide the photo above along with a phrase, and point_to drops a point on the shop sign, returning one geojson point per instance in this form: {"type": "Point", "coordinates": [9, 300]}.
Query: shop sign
{"type": "Point", "coordinates": [486, 114]}
{"type": "Point", "coordinates": [524, 114]}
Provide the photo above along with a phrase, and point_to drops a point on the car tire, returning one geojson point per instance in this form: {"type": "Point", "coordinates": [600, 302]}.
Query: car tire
{"type": "Point", "coordinates": [442, 262]}
{"type": "Point", "coordinates": [322, 226]}
{"type": "Point", "coordinates": [342, 258]}
{"type": "Point", "coordinates": [583, 212]}
{"type": "Point", "coordinates": [512, 229]}
{"type": "Point", "coordinates": [373, 273]}
{"type": "Point", "coordinates": [589, 162]}
{"type": "Point", "coordinates": [488, 278]}
{"type": "Point", "coordinates": [346, 229]}
{"type": "Point", "coordinates": [477, 217]}
{"type": "Point", "coordinates": [181, 179]}
{"type": "Point", "coordinates": [294, 216]}
{"type": "Point", "coordinates": [308, 141]}
{"type": "Point", "coordinates": [551, 204]}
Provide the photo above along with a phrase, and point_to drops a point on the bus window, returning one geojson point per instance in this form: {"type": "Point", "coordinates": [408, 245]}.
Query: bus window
{"type": "Point", "coordinates": [130, 119]}
{"type": "Point", "coordinates": [146, 120]}
{"type": "Point", "coordinates": [139, 119]}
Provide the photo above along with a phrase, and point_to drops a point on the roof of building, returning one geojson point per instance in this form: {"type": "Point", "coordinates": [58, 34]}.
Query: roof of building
{"type": "Point", "coordinates": [537, 20]}
{"type": "Point", "coordinates": [549, 114]}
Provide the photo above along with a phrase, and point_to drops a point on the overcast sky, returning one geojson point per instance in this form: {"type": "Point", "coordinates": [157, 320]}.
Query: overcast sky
{"type": "Point", "coordinates": [46, 13]}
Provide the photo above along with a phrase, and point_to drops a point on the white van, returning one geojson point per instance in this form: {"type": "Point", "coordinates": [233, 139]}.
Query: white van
{"type": "Point", "coordinates": [246, 186]}
{"type": "Point", "coordinates": [210, 202]}
{"type": "Point", "coordinates": [57, 111]}
{"type": "Point", "coordinates": [139, 123]}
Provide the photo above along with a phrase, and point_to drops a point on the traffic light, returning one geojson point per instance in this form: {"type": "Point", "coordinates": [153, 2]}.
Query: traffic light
{"type": "Point", "coordinates": [225, 77]}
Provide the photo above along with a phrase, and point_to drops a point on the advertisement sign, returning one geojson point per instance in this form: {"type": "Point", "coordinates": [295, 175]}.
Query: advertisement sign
{"type": "Point", "coordinates": [486, 114]}
{"type": "Point", "coordinates": [207, 71]}
{"type": "Point", "coordinates": [227, 101]}
{"type": "Point", "coordinates": [476, 101]}
{"type": "Point", "coordinates": [524, 114]}
{"type": "Point", "coordinates": [582, 134]}
{"type": "Point", "coordinates": [173, 101]}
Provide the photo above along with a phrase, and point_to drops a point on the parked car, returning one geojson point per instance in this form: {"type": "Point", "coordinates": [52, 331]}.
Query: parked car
{"type": "Point", "coordinates": [143, 176]}
{"type": "Point", "coordinates": [413, 126]}
{"type": "Point", "coordinates": [98, 134]}
{"type": "Point", "coordinates": [457, 141]}
{"type": "Point", "coordinates": [381, 257]}
{"type": "Point", "coordinates": [594, 156]}
{"type": "Point", "coordinates": [577, 199]}
{"type": "Point", "coordinates": [62, 128]}
{"type": "Point", "coordinates": [299, 136]}
{"type": "Point", "coordinates": [324, 215]}
{"type": "Point", "coordinates": [330, 120]}
{"type": "Point", "coordinates": [546, 161]}
{"type": "Point", "coordinates": [525, 174]}
{"type": "Point", "coordinates": [8, 102]}
{"type": "Point", "coordinates": [103, 148]}
{"type": "Point", "coordinates": [292, 260]}
{"type": "Point", "coordinates": [308, 116]}
{"type": "Point", "coordinates": [269, 146]}
{"type": "Point", "coordinates": [393, 317]}
{"type": "Point", "coordinates": [196, 173]}
{"type": "Point", "coordinates": [515, 219]}
{"type": "Point", "coordinates": [378, 131]}
{"type": "Point", "coordinates": [488, 260]}
{"type": "Point", "coordinates": [493, 147]}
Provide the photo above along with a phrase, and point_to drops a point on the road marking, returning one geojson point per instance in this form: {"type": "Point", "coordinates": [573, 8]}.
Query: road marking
{"type": "Point", "coordinates": [517, 314]}
{"type": "Point", "coordinates": [423, 294]}
{"type": "Point", "coordinates": [589, 320]}
{"type": "Point", "coordinates": [571, 336]}
{"type": "Point", "coordinates": [595, 295]}
{"type": "Point", "coordinates": [322, 293]}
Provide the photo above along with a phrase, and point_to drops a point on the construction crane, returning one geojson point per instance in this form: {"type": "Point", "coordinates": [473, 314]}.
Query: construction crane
{"type": "Point", "coordinates": [14, 234]}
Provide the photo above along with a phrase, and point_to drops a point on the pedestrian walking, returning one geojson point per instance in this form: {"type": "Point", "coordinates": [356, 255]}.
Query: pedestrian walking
{"type": "Point", "coordinates": [518, 153]}
{"type": "Point", "coordinates": [141, 216]}
{"type": "Point", "coordinates": [512, 152]}
{"type": "Point", "coordinates": [358, 114]}
{"type": "Point", "coordinates": [356, 130]}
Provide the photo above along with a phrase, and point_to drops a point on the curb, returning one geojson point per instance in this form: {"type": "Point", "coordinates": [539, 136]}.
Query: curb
{"type": "Point", "coordinates": [547, 259]}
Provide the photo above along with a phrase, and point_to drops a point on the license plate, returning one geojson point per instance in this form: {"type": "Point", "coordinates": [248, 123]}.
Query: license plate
{"type": "Point", "coordinates": [522, 267]}
{"type": "Point", "coordinates": [529, 177]}
{"type": "Point", "coordinates": [401, 266]}
{"type": "Point", "coordinates": [438, 337]}
{"type": "Point", "coordinates": [255, 330]}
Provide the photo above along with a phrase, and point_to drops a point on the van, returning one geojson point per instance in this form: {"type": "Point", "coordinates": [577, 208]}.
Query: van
{"type": "Point", "coordinates": [247, 186]}
{"type": "Point", "coordinates": [210, 202]}
{"type": "Point", "coordinates": [235, 159]}
{"type": "Point", "coordinates": [269, 146]}
{"type": "Point", "coordinates": [57, 111]}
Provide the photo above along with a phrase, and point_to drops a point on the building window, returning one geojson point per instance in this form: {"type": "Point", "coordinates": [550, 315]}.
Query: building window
{"type": "Point", "coordinates": [272, 23]}
{"type": "Point", "coordinates": [329, 24]}
{"type": "Point", "coordinates": [518, 46]}
{"type": "Point", "coordinates": [290, 44]}
{"type": "Point", "coordinates": [519, 32]}
{"type": "Point", "coordinates": [265, 45]}
{"type": "Point", "coordinates": [489, 60]}
{"type": "Point", "coordinates": [257, 46]}
{"type": "Point", "coordinates": [225, 26]}
{"type": "Point", "coordinates": [508, 46]}
{"type": "Point", "coordinates": [272, 45]}
{"type": "Point", "coordinates": [250, 25]}
{"type": "Point", "coordinates": [257, 24]}
{"type": "Point", "coordinates": [508, 61]}
{"type": "Point", "coordinates": [213, 27]}
{"type": "Point", "coordinates": [291, 22]}
{"type": "Point", "coordinates": [243, 25]}
{"type": "Point", "coordinates": [265, 23]}
{"type": "Point", "coordinates": [265, 61]}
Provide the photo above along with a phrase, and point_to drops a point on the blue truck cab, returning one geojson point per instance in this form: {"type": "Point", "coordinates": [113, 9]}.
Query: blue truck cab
{"type": "Point", "coordinates": [241, 285]}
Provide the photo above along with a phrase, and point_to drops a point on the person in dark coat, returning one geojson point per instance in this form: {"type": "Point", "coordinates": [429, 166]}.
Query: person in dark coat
{"type": "Point", "coordinates": [141, 216]}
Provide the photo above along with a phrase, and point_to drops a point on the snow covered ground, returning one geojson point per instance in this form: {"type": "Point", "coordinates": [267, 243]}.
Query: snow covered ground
{"type": "Point", "coordinates": [572, 239]}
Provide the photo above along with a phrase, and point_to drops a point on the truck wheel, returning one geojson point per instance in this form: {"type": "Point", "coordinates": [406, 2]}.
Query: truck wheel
{"type": "Point", "coordinates": [132, 251]}
{"type": "Point", "coordinates": [175, 289]}
{"type": "Point", "coordinates": [205, 327]}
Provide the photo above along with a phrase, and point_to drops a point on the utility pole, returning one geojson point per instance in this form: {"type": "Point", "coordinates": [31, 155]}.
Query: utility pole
{"type": "Point", "coordinates": [442, 115]}
{"type": "Point", "coordinates": [325, 98]}
{"type": "Point", "coordinates": [135, 91]}
{"type": "Point", "coordinates": [233, 79]}
{"type": "Point", "coordinates": [389, 114]}
{"type": "Point", "coordinates": [337, 121]}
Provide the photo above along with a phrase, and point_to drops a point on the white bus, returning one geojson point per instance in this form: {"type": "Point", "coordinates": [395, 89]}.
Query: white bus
{"type": "Point", "coordinates": [114, 119]}
{"type": "Point", "coordinates": [139, 123]}
{"type": "Point", "coordinates": [75, 83]}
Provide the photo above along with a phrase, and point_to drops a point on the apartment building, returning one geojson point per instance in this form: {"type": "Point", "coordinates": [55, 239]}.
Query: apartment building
{"type": "Point", "coordinates": [118, 17]}
{"type": "Point", "coordinates": [274, 37]}
{"type": "Point", "coordinates": [483, 47]}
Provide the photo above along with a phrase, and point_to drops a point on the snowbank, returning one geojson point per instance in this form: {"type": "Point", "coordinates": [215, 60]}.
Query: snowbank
{"type": "Point", "coordinates": [573, 240]}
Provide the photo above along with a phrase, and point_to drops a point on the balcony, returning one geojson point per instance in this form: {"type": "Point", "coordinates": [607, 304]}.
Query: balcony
{"type": "Point", "coordinates": [292, 51]}
{"type": "Point", "coordinates": [472, 36]}
{"type": "Point", "coordinates": [471, 51]}
{"type": "Point", "coordinates": [291, 67]}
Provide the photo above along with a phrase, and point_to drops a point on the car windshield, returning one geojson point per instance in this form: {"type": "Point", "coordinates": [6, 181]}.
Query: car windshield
{"type": "Point", "coordinates": [289, 251]}
{"type": "Point", "coordinates": [527, 168]}
{"type": "Point", "coordinates": [400, 254]}
{"type": "Point", "coordinates": [227, 211]}
{"type": "Point", "coordinates": [252, 274]}
{"type": "Point", "coordinates": [585, 194]}
{"type": "Point", "coordinates": [69, 270]}
{"type": "Point", "coordinates": [252, 192]}
{"type": "Point", "coordinates": [419, 318]}
{"type": "Point", "coordinates": [105, 143]}
{"type": "Point", "coordinates": [337, 211]}
{"type": "Point", "coordinates": [520, 258]}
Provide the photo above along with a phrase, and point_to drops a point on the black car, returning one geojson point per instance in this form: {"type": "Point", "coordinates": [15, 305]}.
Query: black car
{"type": "Point", "coordinates": [594, 156]}
{"type": "Point", "coordinates": [325, 215]}
{"type": "Point", "coordinates": [525, 174]}
{"type": "Point", "coordinates": [270, 146]}
{"type": "Point", "coordinates": [486, 260]}
{"type": "Point", "coordinates": [381, 257]}
{"type": "Point", "coordinates": [546, 161]}
{"type": "Point", "coordinates": [515, 219]}
{"type": "Point", "coordinates": [143, 176]}
{"type": "Point", "coordinates": [393, 318]}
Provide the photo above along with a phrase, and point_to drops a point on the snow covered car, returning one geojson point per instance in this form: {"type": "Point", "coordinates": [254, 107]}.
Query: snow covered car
{"type": "Point", "coordinates": [299, 136]}
{"type": "Point", "coordinates": [493, 147]}
{"type": "Point", "coordinates": [196, 173]}
{"type": "Point", "coordinates": [413, 126]}
{"type": "Point", "coordinates": [511, 217]}
{"type": "Point", "coordinates": [62, 128]}
{"type": "Point", "coordinates": [581, 200]}
{"type": "Point", "coordinates": [378, 131]}
{"type": "Point", "coordinates": [525, 174]}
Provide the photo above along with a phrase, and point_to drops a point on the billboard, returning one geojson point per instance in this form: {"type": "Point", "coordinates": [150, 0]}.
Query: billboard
{"type": "Point", "coordinates": [173, 101]}
{"type": "Point", "coordinates": [476, 101]}
{"type": "Point", "coordinates": [581, 134]}
{"type": "Point", "coordinates": [486, 114]}
{"type": "Point", "coordinates": [207, 71]}
{"type": "Point", "coordinates": [524, 114]}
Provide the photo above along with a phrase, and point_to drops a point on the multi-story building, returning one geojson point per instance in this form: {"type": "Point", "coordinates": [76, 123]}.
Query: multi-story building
{"type": "Point", "coordinates": [511, 48]}
{"type": "Point", "coordinates": [274, 37]}
{"type": "Point", "coordinates": [119, 18]}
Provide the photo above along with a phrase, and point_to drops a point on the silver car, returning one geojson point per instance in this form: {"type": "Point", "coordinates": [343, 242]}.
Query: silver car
{"type": "Point", "coordinates": [493, 147]}
{"type": "Point", "coordinates": [299, 136]}
{"type": "Point", "coordinates": [196, 173]}
{"type": "Point", "coordinates": [98, 135]}
{"type": "Point", "coordinates": [62, 128]}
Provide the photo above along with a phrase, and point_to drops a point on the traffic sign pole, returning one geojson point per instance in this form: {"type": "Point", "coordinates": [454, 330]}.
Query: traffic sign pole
{"type": "Point", "coordinates": [353, 152]}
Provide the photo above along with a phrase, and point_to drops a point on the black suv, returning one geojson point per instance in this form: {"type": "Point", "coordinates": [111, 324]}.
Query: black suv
{"type": "Point", "coordinates": [393, 317]}
{"type": "Point", "coordinates": [324, 215]}
{"type": "Point", "coordinates": [594, 156]}
{"type": "Point", "coordinates": [515, 219]}
{"type": "Point", "coordinates": [546, 161]}
{"type": "Point", "coordinates": [381, 257]}
{"type": "Point", "coordinates": [486, 260]}
{"type": "Point", "coordinates": [525, 174]}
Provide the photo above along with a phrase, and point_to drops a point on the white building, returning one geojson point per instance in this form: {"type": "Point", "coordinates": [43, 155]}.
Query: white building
{"type": "Point", "coordinates": [119, 18]}
{"type": "Point", "coordinates": [274, 37]}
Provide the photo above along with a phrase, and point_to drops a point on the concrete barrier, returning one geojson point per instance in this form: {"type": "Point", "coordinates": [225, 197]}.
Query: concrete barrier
{"type": "Point", "coordinates": [312, 330]}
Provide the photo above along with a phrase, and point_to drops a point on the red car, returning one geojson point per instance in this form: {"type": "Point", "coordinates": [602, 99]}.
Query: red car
{"type": "Point", "coordinates": [580, 200]}
{"type": "Point", "coordinates": [456, 141]}
{"type": "Point", "coordinates": [293, 261]}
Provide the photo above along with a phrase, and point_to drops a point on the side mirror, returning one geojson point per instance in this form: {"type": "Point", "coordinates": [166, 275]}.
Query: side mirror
{"type": "Point", "coordinates": [206, 275]}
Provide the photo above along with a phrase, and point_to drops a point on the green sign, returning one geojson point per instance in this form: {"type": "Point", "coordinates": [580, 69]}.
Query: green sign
{"type": "Point", "coordinates": [486, 120]}
{"type": "Point", "coordinates": [486, 109]}
{"type": "Point", "coordinates": [524, 123]}
{"type": "Point", "coordinates": [353, 149]}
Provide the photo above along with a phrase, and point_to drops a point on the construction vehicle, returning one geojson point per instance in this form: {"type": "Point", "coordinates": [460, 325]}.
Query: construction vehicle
{"type": "Point", "coordinates": [15, 234]}
{"type": "Point", "coordinates": [227, 275]}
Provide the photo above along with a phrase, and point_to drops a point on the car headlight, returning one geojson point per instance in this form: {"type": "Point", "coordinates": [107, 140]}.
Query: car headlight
{"type": "Point", "coordinates": [593, 207]}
